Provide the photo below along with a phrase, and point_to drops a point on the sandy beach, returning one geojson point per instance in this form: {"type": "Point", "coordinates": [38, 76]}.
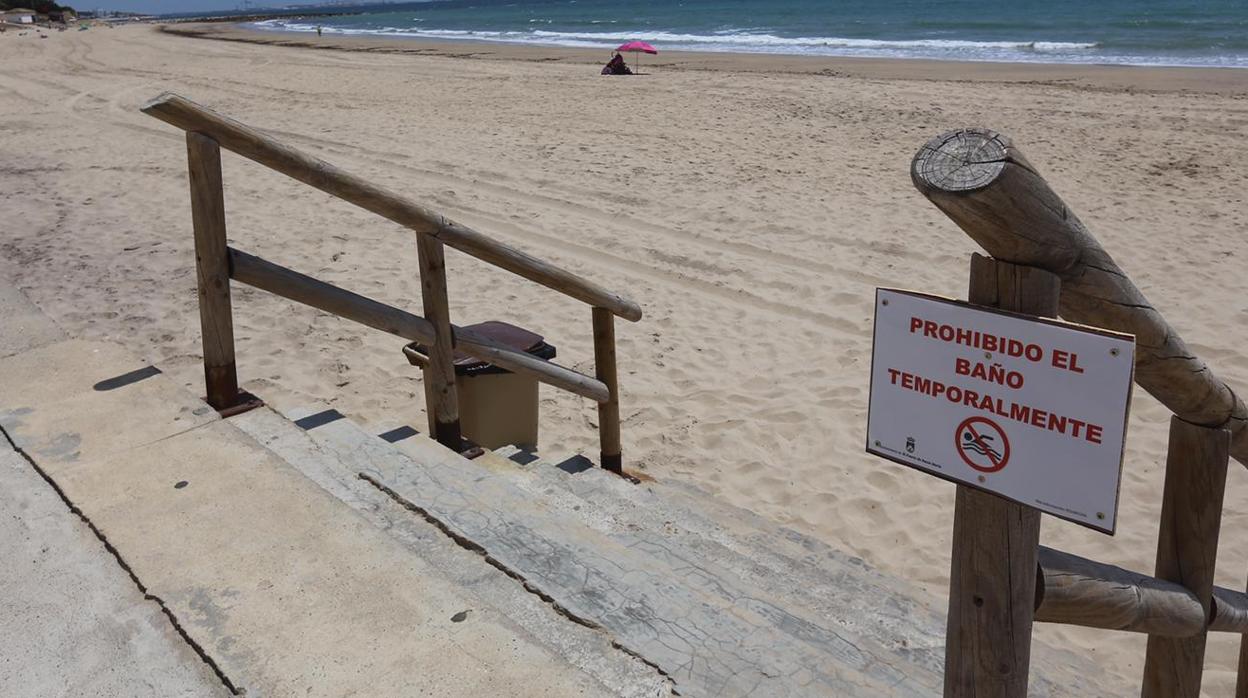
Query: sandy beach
{"type": "Point", "coordinates": [751, 204]}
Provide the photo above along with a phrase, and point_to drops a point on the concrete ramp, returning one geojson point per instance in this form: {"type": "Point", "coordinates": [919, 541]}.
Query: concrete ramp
{"type": "Point", "coordinates": [74, 622]}
{"type": "Point", "coordinates": [22, 325]}
{"type": "Point", "coordinates": [282, 588]}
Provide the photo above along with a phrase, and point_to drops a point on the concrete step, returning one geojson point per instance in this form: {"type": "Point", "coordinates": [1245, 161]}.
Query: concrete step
{"type": "Point", "coordinates": [806, 578]}
{"type": "Point", "coordinates": [589, 650]}
{"type": "Point", "coordinates": [812, 582]}
{"type": "Point", "coordinates": [711, 631]}
{"type": "Point", "coordinates": [814, 593]}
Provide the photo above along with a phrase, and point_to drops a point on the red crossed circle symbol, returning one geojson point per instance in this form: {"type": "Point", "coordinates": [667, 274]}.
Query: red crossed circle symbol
{"type": "Point", "coordinates": [982, 444]}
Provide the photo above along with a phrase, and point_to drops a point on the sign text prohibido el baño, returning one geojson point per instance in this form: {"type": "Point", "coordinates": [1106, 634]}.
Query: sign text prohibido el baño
{"type": "Point", "coordinates": [1031, 409]}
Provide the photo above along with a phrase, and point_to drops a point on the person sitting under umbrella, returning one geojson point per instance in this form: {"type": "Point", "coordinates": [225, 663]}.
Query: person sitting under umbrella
{"type": "Point", "coordinates": [616, 66]}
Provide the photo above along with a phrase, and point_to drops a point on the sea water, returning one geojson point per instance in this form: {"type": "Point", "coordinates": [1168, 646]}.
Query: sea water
{"type": "Point", "coordinates": [1140, 32]}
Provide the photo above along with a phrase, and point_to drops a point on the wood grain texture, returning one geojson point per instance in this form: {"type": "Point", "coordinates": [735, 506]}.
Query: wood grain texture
{"type": "Point", "coordinates": [1187, 548]}
{"type": "Point", "coordinates": [606, 371]}
{"type": "Point", "coordinates": [254, 145]}
{"type": "Point", "coordinates": [212, 271]}
{"type": "Point", "coordinates": [288, 283]}
{"type": "Point", "coordinates": [992, 581]}
{"type": "Point", "coordinates": [1077, 591]}
{"type": "Point", "coordinates": [441, 395]}
{"type": "Point", "coordinates": [1230, 611]}
{"type": "Point", "coordinates": [981, 180]}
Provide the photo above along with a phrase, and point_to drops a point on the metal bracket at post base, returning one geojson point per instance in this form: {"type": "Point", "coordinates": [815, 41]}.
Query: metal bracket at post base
{"type": "Point", "coordinates": [448, 434]}
{"type": "Point", "coordinates": [615, 465]}
{"type": "Point", "coordinates": [244, 402]}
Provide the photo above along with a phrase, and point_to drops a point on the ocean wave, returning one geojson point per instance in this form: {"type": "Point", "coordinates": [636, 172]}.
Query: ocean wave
{"type": "Point", "coordinates": [727, 37]}
{"type": "Point", "coordinates": [761, 39]}
{"type": "Point", "coordinates": [758, 41]}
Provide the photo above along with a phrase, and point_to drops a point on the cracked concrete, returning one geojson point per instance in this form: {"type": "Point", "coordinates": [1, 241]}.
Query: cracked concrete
{"type": "Point", "coordinates": [74, 621]}
{"type": "Point", "coordinates": [461, 561]}
{"type": "Point", "coordinates": [713, 634]}
{"type": "Point", "coordinates": [847, 615]}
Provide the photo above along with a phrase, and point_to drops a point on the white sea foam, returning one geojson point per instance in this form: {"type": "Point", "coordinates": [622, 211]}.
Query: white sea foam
{"type": "Point", "coordinates": [756, 41]}
{"type": "Point", "coordinates": [751, 39]}
{"type": "Point", "coordinates": [734, 38]}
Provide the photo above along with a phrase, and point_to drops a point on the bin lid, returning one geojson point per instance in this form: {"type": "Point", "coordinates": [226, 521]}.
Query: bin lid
{"type": "Point", "coordinates": [508, 335]}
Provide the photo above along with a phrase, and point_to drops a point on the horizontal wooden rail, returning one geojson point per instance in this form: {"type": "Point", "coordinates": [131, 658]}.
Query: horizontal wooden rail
{"type": "Point", "coordinates": [288, 283]}
{"type": "Point", "coordinates": [254, 145]}
{"type": "Point", "coordinates": [1230, 611]}
{"type": "Point", "coordinates": [1073, 590]}
{"type": "Point", "coordinates": [1077, 591]}
{"type": "Point", "coordinates": [983, 182]}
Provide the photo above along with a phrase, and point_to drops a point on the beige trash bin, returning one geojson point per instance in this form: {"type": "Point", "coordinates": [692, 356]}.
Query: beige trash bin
{"type": "Point", "coordinates": [496, 407]}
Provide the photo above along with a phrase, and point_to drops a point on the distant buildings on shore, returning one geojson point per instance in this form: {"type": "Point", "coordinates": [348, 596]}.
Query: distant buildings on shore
{"type": "Point", "coordinates": [18, 15]}
{"type": "Point", "coordinates": [23, 18]}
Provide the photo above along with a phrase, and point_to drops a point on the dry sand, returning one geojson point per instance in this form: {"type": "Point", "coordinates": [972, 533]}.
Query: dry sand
{"type": "Point", "coordinates": [750, 204]}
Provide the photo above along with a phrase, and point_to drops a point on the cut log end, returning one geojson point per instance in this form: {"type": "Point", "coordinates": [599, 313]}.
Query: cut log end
{"type": "Point", "coordinates": [158, 100]}
{"type": "Point", "coordinates": [959, 161]}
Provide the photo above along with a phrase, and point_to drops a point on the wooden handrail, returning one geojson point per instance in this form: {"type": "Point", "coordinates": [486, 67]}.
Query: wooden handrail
{"type": "Point", "coordinates": [207, 131]}
{"type": "Point", "coordinates": [984, 184]}
{"type": "Point", "coordinates": [1074, 590]}
{"type": "Point", "coordinates": [1077, 591]}
{"type": "Point", "coordinates": [1230, 611]}
{"type": "Point", "coordinates": [254, 145]}
{"type": "Point", "coordinates": [288, 283]}
{"type": "Point", "coordinates": [981, 180]}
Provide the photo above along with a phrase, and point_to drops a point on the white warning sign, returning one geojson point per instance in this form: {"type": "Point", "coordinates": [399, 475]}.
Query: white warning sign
{"type": "Point", "coordinates": [1031, 409]}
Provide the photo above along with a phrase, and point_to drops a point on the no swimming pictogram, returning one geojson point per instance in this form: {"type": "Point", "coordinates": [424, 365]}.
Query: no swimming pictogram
{"type": "Point", "coordinates": [982, 444]}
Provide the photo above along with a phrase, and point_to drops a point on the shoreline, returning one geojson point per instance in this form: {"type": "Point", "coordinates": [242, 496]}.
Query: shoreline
{"type": "Point", "coordinates": [1128, 78]}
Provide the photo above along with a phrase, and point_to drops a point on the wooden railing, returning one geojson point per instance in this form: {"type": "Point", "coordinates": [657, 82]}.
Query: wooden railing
{"type": "Point", "coordinates": [216, 264]}
{"type": "Point", "coordinates": [1046, 262]}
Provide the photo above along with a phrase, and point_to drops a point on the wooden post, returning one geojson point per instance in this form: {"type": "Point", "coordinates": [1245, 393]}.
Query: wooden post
{"type": "Point", "coordinates": [605, 371]}
{"type": "Point", "coordinates": [441, 397]}
{"type": "Point", "coordinates": [1187, 546]}
{"type": "Point", "coordinates": [992, 580]}
{"type": "Point", "coordinates": [212, 270]}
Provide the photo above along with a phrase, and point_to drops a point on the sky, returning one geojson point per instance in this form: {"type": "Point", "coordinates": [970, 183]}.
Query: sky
{"type": "Point", "coordinates": [155, 6]}
{"type": "Point", "coordinates": [163, 7]}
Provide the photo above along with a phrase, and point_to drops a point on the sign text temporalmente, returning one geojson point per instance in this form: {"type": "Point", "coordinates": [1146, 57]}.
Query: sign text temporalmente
{"type": "Point", "coordinates": [998, 374]}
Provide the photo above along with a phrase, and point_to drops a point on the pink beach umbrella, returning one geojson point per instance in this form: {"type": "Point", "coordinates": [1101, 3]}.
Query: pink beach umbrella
{"type": "Point", "coordinates": [638, 47]}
